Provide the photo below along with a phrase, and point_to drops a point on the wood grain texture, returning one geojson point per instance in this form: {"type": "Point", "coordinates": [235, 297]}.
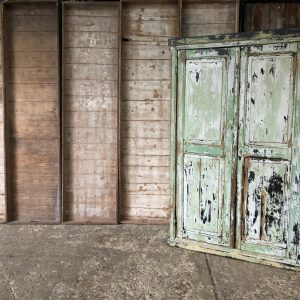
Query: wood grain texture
{"type": "Point", "coordinates": [2, 158]}
{"type": "Point", "coordinates": [266, 16]}
{"type": "Point", "coordinates": [145, 112]}
{"type": "Point", "coordinates": [208, 18]}
{"type": "Point", "coordinates": [90, 119]}
{"type": "Point", "coordinates": [32, 113]}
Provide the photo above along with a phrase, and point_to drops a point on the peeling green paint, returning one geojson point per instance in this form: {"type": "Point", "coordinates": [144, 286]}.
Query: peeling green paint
{"type": "Point", "coordinates": [236, 184]}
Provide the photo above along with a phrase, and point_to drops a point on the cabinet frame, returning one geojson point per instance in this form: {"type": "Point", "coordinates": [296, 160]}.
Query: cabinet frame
{"type": "Point", "coordinates": [227, 41]}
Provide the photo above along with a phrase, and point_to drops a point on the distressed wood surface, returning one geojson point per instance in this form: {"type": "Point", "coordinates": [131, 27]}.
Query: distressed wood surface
{"type": "Point", "coordinates": [204, 149]}
{"type": "Point", "coordinates": [145, 110]}
{"type": "Point", "coordinates": [32, 114]}
{"type": "Point", "coordinates": [268, 206]}
{"type": "Point", "coordinates": [90, 113]}
{"type": "Point", "coordinates": [208, 18]}
{"type": "Point", "coordinates": [266, 16]}
{"type": "Point", "coordinates": [267, 108]}
{"type": "Point", "coordinates": [3, 215]}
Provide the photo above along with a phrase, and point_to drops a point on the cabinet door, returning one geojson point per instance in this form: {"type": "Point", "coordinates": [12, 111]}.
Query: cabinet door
{"type": "Point", "coordinates": [205, 144]}
{"type": "Point", "coordinates": [268, 195]}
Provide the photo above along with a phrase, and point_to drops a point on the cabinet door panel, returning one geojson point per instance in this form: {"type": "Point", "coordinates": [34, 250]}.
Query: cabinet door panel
{"type": "Point", "coordinates": [266, 157]}
{"type": "Point", "coordinates": [205, 144]}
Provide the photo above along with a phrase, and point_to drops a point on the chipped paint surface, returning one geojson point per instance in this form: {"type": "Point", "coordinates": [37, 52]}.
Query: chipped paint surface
{"type": "Point", "coordinates": [202, 194]}
{"type": "Point", "coordinates": [266, 192]}
{"type": "Point", "coordinates": [237, 150]}
{"type": "Point", "coordinates": [205, 150]}
{"type": "Point", "coordinates": [269, 99]}
{"type": "Point", "coordinates": [204, 120]}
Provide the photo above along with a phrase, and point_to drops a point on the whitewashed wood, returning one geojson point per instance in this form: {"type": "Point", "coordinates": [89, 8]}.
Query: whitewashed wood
{"type": "Point", "coordinates": [90, 117]}
{"type": "Point", "coordinates": [91, 72]}
{"type": "Point", "coordinates": [91, 151]}
{"type": "Point", "coordinates": [208, 18]}
{"type": "Point", "coordinates": [90, 136]}
{"type": "Point", "coordinates": [90, 103]}
{"type": "Point", "coordinates": [146, 70]}
{"type": "Point", "coordinates": [161, 29]}
{"type": "Point", "coordinates": [133, 213]}
{"type": "Point", "coordinates": [102, 40]}
{"type": "Point", "coordinates": [2, 158]}
{"type": "Point", "coordinates": [136, 146]}
{"type": "Point", "coordinates": [91, 88]}
{"type": "Point", "coordinates": [146, 90]}
{"type": "Point", "coordinates": [207, 29]}
{"type": "Point", "coordinates": [91, 23]}
{"type": "Point", "coordinates": [91, 10]}
{"type": "Point", "coordinates": [150, 12]}
{"type": "Point", "coordinates": [91, 56]}
{"type": "Point", "coordinates": [145, 160]}
{"type": "Point", "coordinates": [145, 112]}
{"type": "Point", "coordinates": [146, 188]}
{"type": "Point", "coordinates": [133, 174]}
{"type": "Point", "coordinates": [151, 110]}
{"type": "Point", "coordinates": [145, 50]}
{"type": "Point", "coordinates": [145, 129]}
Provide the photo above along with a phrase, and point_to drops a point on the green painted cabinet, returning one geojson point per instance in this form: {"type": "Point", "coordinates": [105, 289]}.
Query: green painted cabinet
{"type": "Point", "coordinates": [235, 146]}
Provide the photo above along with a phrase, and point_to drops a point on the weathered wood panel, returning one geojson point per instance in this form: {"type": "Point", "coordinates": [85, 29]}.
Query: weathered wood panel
{"type": "Point", "coordinates": [205, 154]}
{"type": "Point", "coordinates": [90, 113]}
{"type": "Point", "coordinates": [270, 15]}
{"type": "Point", "coordinates": [145, 112]}
{"type": "Point", "coordinates": [32, 113]}
{"type": "Point", "coordinates": [207, 18]}
{"type": "Point", "coordinates": [265, 167]}
{"type": "Point", "coordinates": [2, 158]}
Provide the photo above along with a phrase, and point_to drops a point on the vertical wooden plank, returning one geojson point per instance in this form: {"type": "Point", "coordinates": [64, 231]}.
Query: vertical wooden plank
{"type": "Point", "coordinates": [173, 145]}
{"type": "Point", "coordinates": [119, 203]}
{"type": "Point", "coordinates": [59, 103]}
{"type": "Point", "coordinates": [3, 200]}
{"type": "Point", "coordinates": [146, 93]}
{"type": "Point", "coordinates": [91, 112]}
{"type": "Point", "coordinates": [179, 3]}
{"type": "Point", "coordinates": [294, 216]}
{"type": "Point", "coordinates": [237, 15]}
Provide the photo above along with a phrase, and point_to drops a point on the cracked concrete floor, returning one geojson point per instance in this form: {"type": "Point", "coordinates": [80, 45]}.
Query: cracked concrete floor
{"type": "Point", "coordinates": [125, 262]}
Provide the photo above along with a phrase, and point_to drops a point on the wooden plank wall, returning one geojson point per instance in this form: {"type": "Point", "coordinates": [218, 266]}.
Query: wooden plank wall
{"type": "Point", "coordinates": [208, 17]}
{"type": "Point", "coordinates": [90, 106]}
{"type": "Point", "coordinates": [2, 157]}
{"type": "Point", "coordinates": [90, 103]}
{"type": "Point", "coordinates": [145, 110]}
{"type": "Point", "coordinates": [31, 113]}
{"type": "Point", "coordinates": [271, 15]}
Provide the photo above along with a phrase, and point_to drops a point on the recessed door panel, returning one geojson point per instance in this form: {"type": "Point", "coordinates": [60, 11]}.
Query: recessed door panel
{"type": "Point", "coordinates": [266, 189]}
{"type": "Point", "coordinates": [204, 100]}
{"type": "Point", "coordinates": [203, 194]}
{"type": "Point", "coordinates": [269, 106]}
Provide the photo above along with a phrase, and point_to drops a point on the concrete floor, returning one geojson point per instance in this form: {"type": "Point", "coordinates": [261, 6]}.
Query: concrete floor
{"type": "Point", "coordinates": [125, 262]}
